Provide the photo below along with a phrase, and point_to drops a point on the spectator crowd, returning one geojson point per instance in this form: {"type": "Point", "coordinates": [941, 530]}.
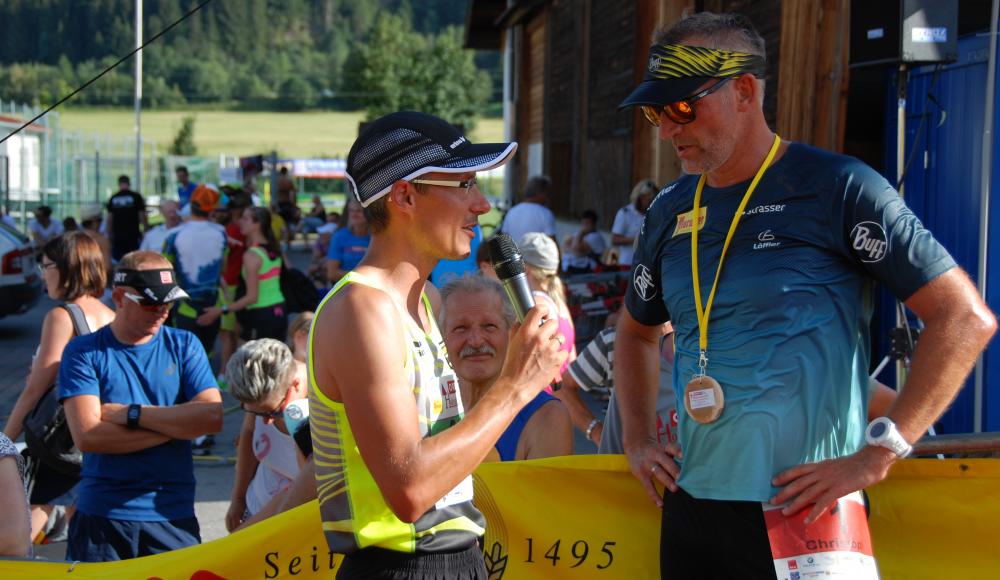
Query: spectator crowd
{"type": "Point", "coordinates": [155, 322]}
{"type": "Point", "coordinates": [398, 361]}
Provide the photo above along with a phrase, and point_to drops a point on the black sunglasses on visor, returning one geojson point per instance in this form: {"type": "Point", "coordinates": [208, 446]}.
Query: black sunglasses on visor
{"type": "Point", "coordinates": [680, 112]}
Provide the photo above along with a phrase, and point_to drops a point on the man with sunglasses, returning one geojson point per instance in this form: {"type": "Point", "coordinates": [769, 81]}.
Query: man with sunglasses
{"type": "Point", "coordinates": [136, 393]}
{"type": "Point", "coordinates": [765, 258]}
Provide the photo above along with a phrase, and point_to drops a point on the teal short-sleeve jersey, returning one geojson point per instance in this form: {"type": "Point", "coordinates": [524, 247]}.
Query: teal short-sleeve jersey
{"type": "Point", "coordinates": [788, 337]}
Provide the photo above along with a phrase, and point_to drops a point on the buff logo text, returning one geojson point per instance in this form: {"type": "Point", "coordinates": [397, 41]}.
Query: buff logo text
{"type": "Point", "coordinates": [869, 241]}
{"type": "Point", "coordinates": [643, 282]}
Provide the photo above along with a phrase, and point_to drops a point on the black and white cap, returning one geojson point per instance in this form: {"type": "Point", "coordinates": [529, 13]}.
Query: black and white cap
{"type": "Point", "coordinates": [406, 145]}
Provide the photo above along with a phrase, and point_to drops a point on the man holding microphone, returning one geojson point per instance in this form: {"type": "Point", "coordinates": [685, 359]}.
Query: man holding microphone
{"type": "Point", "coordinates": [394, 447]}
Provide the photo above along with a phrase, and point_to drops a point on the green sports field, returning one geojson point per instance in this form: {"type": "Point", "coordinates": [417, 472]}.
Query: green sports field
{"type": "Point", "coordinates": [310, 134]}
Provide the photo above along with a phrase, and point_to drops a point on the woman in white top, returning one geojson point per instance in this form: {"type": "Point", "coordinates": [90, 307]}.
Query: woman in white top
{"type": "Point", "coordinates": [265, 378]}
{"type": "Point", "coordinates": [74, 272]}
{"type": "Point", "coordinates": [628, 220]}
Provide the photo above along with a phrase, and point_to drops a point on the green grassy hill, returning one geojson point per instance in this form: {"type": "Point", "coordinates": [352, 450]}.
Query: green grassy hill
{"type": "Point", "coordinates": [310, 134]}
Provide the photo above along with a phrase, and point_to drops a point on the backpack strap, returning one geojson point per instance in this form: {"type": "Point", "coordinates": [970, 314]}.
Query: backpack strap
{"type": "Point", "coordinates": [80, 325]}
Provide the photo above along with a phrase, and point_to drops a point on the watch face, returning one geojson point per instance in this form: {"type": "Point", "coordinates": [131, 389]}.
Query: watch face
{"type": "Point", "coordinates": [878, 429]}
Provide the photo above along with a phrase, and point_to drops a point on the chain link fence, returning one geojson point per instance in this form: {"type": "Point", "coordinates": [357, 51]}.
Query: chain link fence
{"type": "Point", "coordinates": [70, 171]}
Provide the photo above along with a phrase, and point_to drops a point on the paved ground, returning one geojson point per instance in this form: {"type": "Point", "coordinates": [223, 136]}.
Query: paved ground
{"type": "Point", "coordinates": [19, 336]}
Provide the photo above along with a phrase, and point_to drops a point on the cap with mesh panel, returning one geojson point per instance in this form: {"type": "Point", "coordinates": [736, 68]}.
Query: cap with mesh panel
{"type": "Point", "coordinates": [408, 144]}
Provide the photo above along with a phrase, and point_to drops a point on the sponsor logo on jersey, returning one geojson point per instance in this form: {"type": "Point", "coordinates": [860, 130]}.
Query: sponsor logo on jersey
{"type": "Point", "coordinates": [869, 241]}
{"type": "Point", "coordinates": [642, 279]}
{"type": "Point", "coordinates": [765, 239]}
{"type": "Point", "coordinates": [685, 222]}
{"type": "Point", "coordinates": [775, 208]}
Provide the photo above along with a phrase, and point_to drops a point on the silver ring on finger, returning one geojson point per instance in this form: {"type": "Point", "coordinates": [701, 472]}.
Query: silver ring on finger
{"type": "Point", "coordinates": [653, 469]}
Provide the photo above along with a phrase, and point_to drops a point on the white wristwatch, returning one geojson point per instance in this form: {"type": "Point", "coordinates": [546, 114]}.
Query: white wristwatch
{"type": "Point", "coordinates": [882, 432]}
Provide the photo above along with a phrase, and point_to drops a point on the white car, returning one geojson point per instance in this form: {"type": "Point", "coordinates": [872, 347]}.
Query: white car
{"type": "Point", "coordinates": [20, 277]}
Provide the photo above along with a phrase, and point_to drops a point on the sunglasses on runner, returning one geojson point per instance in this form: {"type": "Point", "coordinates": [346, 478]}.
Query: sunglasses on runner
{"type": "Point", "coordinates": [277, 413]}
{"type": "Point", "coordinates": [148, 305]}
{"type": "Point", "coordinates": [681, 112]}
{"type": "Point", "coordinates": [467, 185]}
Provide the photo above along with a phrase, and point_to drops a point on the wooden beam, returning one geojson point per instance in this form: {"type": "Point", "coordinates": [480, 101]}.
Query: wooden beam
{"type": "Point", "coordinates": [812, 72]}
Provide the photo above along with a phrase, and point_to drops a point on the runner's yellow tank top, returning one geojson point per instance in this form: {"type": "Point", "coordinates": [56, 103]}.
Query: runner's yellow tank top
{"type": "Point", "coordinates": [354, 513]}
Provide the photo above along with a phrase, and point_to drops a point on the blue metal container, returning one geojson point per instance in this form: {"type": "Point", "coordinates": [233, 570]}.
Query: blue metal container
{"type": "Point", "coordinates": [945, 114]}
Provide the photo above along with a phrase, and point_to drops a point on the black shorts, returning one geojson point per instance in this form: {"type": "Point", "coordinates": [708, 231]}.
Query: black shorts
{"type": "Point", "coordinates": [206, 334]}
{"type": "Point", "coordinates": [706, 539]}
{"type": "Point", "coordinates": [99, 539]}
{"type": "Point", "coordinates": [379, 564]}
{"type": "Point", "coordinates": [267, 322]}
{"type": "Point", "coordinates": [287, 210]}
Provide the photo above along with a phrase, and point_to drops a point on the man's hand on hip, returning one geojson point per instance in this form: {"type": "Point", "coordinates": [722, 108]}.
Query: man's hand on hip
{"type": "Point", "coordinates": [822, 484]}
{"type": "Point", "coordinates": [651, 459]}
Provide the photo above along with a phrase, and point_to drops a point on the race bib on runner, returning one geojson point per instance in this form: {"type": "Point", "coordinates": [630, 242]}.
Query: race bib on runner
{"type": "Point", "coordinates": [460, 494]}
{"type": "Point", "coordinates": [836, 545]}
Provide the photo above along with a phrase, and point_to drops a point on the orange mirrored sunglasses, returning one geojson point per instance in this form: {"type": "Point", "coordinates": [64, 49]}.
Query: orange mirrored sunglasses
{"type": "Point", "coordinates": [680, 112]}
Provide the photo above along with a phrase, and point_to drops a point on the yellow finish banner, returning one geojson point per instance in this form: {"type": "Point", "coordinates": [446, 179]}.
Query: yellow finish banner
{"type": "Point", "coordinates": [585, 517]}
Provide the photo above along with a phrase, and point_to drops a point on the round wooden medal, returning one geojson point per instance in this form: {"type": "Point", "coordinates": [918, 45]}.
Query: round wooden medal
{"type": "Point", "coordinates": [703, 399]}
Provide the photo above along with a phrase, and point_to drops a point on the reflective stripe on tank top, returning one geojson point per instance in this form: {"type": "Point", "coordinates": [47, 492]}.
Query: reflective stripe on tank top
{"type": "Point", "coordinates": [268, 280]}
{"type": "Point", "coordinates": [354, 513]}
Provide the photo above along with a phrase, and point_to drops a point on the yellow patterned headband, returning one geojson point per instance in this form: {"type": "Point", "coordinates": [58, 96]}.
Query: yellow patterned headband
{"type": "Point", "coordinates": [675, 71]}
{"type": "Point", "coordinates": [670, 61]}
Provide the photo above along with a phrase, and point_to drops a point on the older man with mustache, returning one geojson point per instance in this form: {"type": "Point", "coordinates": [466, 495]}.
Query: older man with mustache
{"type": "Point", "coordinates": [476, 319]}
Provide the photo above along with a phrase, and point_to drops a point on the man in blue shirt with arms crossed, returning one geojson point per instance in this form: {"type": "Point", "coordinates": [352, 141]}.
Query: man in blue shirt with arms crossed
{"type": "Point", "coordinates": [765, 257]}
{"type": "Point", "coordinates": [135, 393]}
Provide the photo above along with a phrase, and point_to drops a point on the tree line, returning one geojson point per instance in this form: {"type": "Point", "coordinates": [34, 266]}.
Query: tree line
{"type": "Point", "coordinates": [250, 54]}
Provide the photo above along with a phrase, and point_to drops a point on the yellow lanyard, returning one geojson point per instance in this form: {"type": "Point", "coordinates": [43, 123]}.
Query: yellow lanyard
{"type": "Point", "coordinates": [703, 313]}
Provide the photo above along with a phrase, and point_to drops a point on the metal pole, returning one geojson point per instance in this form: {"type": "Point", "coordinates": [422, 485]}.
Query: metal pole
{"type": "Point", "coordinates": [23, 141]}
{"type": "Point", "coordinates": [138, 96]}
{"type": "Point", "coordinates": [508, 113]}
{"type": "Point", "coordinates": [984, 202]}
{"type": "Point", "coordinates": [6, 183]}
{"type": "Point", "coordinates": [900, 162]}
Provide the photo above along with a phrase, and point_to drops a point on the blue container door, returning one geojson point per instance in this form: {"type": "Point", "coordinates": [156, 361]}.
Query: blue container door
{"type": "Point", "coordinates": [945, 113]}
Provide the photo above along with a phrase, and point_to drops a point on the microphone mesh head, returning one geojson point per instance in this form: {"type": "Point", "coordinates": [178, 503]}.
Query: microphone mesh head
{"type": "Point", "coordinates": [505, 255]}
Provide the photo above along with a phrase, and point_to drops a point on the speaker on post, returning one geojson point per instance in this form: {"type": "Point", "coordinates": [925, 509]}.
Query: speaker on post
{"type": "Point", "coordinates": [894, 32]}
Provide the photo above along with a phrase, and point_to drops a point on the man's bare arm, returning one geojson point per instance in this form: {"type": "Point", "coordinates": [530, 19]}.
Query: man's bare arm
{"type": "Point", "coordinates": [92, 435]}
{"type": "Point", "coordinates": [637, 364]}
{"type": "Point", "coordinates": [364, 327]}
{"type": "Point", "coordinates": [958, 325]}
{"type": "Point", "coordinates": [549, 432]}
{"type": "Point", "coordinates": [199, 416]}
{"type": "Point", "coordinates": [581, 416]}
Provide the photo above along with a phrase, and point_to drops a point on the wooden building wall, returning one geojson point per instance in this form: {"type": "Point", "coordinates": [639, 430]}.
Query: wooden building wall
{"type": "Point", "coordinates": [563, 101]}
{"type": "Point", "coordinates": [807, 77]}
{"type": "Point", "coordinates": [605, 172]}
{"type": "Point", "coordinates": [578, 59]}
